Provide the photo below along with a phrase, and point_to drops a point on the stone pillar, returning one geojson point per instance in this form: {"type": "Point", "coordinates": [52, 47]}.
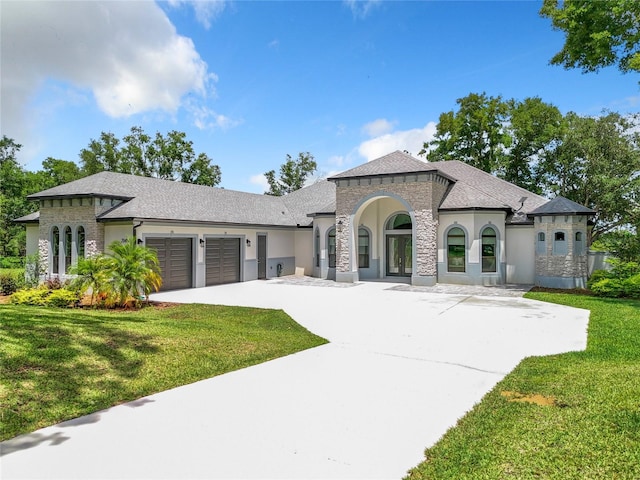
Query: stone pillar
{"type": "Point", "coordinates": [345, 270]}
{"type": "Point", "coordinates": [426, 248]}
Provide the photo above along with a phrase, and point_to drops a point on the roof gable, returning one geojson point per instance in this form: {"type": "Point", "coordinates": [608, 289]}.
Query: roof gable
{"type": "Point", "coordinates": [562, 206]}
{"type": "Point", "coordinates": [396, 162]}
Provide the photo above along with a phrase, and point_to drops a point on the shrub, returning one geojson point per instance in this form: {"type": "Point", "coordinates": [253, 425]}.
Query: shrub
{"type": "Point", "coordinates": [11, 262]}
{"type": "Point", "coordinates": [632, 286]}
{"type": "Point", "coordinates": [45, 298]}
{"type": "Point", "coordinates": [608, 287]}
{"type": "Point", "coordinates": [31, 296]}
{"type": "Point", "coordinates": [62, 298]}
{"type": "Point", "coordinates": [11, 280]}
{"type": "Point", "coordinates": [598, 275]}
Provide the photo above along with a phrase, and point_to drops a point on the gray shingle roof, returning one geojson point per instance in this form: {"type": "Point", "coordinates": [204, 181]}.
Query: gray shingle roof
{"type": "Point", "coordinates": [31, 218]}
{"type": "Point", "coordinates": [563, 206]}
{"type": "Point", "coordinates": [152, 198]}
{"type": "Point", "coordinates": [396, 162]}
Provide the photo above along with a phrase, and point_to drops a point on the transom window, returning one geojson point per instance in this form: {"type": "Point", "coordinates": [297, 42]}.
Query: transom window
{"type": "Point", "coordinates": [488, 250]}
{"type": "Point", "coordinates": [363, 248]}
{"type": "Point", "coordinates": [456, 250]}
{"type": "Point", "coordinates": [331, 247]}
{"type": "Point", "coordinates": [400, 221]}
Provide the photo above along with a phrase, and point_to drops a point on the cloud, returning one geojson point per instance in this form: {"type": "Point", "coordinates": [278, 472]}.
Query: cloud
{"type": "Point", "coordinates": [409, 140]}
{"type": "Point", "coordinates": [99, 48]}
{"type": "Point", "coordinates": [205, 118]}
{"type": "Point", "coordinates": [260, 180]}
{"type": "Point", "coordinates": [206, 10]}
{"type": "Point", "coordinates": [378, 127]}
{"type": "Point", "coordinates": [361, 8]}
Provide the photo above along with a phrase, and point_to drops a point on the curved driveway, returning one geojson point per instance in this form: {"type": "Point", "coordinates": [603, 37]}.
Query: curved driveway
{"type": "Point", "coordinates": [402, 366]}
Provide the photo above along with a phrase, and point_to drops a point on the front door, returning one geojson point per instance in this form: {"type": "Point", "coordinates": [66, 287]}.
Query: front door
{"type": "Point", "coordinates": [399, 255]}
{"type": "Point", "coordinates": [262, 257]}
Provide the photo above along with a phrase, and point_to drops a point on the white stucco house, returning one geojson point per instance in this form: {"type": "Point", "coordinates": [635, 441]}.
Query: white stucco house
{"type": "Point", "coordinates": [396, 217]}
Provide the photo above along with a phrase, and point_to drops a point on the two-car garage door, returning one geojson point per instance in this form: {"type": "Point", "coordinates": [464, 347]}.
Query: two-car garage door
{"type": "Point", "coordinates": [175, 256]}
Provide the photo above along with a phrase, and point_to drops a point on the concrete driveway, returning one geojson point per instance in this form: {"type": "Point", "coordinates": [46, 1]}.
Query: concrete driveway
{"type": "Point", "coordinates": [402, 366]}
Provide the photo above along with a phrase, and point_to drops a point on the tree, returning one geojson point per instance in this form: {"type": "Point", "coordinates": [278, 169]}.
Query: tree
{"type": "Point", "coordinates": [293, 174]}
{"type": "Point", "coordinates": [57, 172]}
{"type": "Point", "coordinates": [170, 157]}
{"type": "Point", "coordinates": [91, 273]}
{"type": "Point", "coordinates": [474, 134]}
{"type": "Point", "coordinates": [534, 128]}
{"type": "Point", "coordinates": [596, 164]}
{"type": "Point", "coordinates": [598, 33]}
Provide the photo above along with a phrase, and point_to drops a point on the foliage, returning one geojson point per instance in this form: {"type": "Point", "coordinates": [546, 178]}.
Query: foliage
{"type": "Point", "coordinates": [133, 270]}
{"type": "Point", "coordinates": [92, 273]}
{"type": "Point", "coordinates": [623, 244]}
{"type": "Point", "coordinates": [623, 280]}
{"type": "Point", "coordinates": [170, 157]}
{"type": "Point", "coordinates": [12, 262]}
{"type": "Point", "coordinates": [62, 297]}
{"type": "Point", "coordinates": [11, 280]}
{"type": "Point", "coordinates": [598, 33]}
{"type": "Point", "coordinates": [31, 296]}
{"type": "Point", "coordinates": [34, 269]}
{"type": "Point", "coordinates": [62, 364]}
{"type": "Point", "coordinates": [590, 429]}
{"type": "Point", "coordinates": [293, 174]}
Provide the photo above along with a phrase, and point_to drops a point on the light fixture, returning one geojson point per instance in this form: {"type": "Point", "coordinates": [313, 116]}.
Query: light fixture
{"type": "Point", "coordinates": [202, 242]}
{"type": "Point", "coordinates": [248, 242]}
{"type": "Point", "coordinates": [140, 242]}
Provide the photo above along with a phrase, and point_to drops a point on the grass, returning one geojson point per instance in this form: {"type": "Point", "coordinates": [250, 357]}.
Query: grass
{"type": "Point", "coordinates": [590, 430]}
{"type": "Point", "coordinates": [58, 364]}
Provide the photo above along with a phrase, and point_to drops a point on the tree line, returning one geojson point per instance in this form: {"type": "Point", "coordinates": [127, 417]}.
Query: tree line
{"type": "Point", "coordinates": [594, 161]}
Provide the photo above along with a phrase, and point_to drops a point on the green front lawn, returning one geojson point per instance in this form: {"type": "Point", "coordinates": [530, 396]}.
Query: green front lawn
{"type": "Point", "coordinates": [58, 364]}
{"type": "Point", "coordinates": [585, 423]}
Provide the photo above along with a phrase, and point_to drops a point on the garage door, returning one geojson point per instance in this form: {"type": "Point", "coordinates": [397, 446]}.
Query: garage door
{"type": "Point", "coordinates": [175, 259]}
{"type": "Point", "coordinates": [222, 260]}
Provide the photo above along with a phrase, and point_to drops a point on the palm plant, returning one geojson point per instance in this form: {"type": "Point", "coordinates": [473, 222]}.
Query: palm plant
{"type": "Point", "coordinates": [91, 273]}
{"type": "Point", "coordinates": [135, 270]}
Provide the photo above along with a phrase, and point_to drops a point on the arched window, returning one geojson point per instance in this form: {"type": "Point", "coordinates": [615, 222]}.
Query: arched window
{"type": "Point", "coordinates": [541, 244]}
{"type": "Point", "coordinates": [67, 247]}
{"type": "Point", "coordinates": [578, 245]}
{"type": "Point", "coordinates": [488, 250]}
{"type": "Point", "coordinates": [80, 242]}
{"type": "Point", "coordinates": [400, 221]}
{"type": "Point", "coordinates": [55, 250]}
{"type": "Point", "coordinates": [331, 247]}
{"type": "Point", "coordinates": [456, 250]}
{"type": "Point", "coordinates": [363, 248]}
{"type": "Point", "coordinates": [559, 243]}
{"type": "Point", "coordinates": [317, 247]}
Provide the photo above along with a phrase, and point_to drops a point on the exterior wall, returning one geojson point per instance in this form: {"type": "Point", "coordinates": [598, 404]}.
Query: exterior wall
{"type": "Point", "coordinates": [521, 253]}
{"type": "Point", "coordinates": [280, 246]}
{"type": "Point", "coordinates": [419, 193]}
{"type": "Point", "coordinates": [72, 212]}
{"type": "Point", "coordinates": [565, 269]}
{"type": "Point", "coordinates": [321, 265]}
{"type": "Point", "coordinates": [304, 250]}
{"type": "Point", "coordinates": [32, 231]}
{"type": "Point", "coordinates": [472, 223]}
{"type": "Point", "coordinates": [117, 232]}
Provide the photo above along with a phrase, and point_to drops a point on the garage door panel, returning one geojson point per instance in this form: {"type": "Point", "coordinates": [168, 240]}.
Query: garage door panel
{"type": "Point", "coordinates": [175, 258]}
{"type": "Point", "coordinates": [222, 258]}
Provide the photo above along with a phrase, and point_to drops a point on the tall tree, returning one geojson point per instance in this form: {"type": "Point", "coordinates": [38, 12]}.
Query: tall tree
{"type": "Point", "coordinates": [56, 171]}
{"type": "Point", "coordinates": [170, 157]}
{"type": "Point", "coordinates": [474, 134]}
{"type": "Point", "coordinates": [293, 174]}
{"type": "Point", "coordinates": [598, 33]}
{"type": "Point", "coordinates": [535, 128]}
{"type": "Point", "coordinates": [597, 164]}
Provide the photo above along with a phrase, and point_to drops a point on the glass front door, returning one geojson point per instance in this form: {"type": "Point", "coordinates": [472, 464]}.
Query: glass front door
{"type": "Point", "coordinates": [399, 255]}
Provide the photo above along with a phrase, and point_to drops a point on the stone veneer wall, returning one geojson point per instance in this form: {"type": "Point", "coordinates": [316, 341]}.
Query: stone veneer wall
{"type": "Point", "coordinates": [568, 270]}
{"type": "Point", "coordinates": [422, 192]}
{"type": "Point", "coordinates": [74, 213]}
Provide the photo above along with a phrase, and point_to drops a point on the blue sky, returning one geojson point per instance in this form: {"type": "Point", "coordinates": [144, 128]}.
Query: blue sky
{"type": "Point", "coordinates": [250, 82]}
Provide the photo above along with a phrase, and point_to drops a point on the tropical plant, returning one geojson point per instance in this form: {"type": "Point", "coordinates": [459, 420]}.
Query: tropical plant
{"type": "Point", "coordinates": [134, 271]}
{"type": "Point", "coordinates": [93, 274]}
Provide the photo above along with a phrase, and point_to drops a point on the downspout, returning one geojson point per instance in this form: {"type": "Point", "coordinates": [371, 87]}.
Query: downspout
{"type": "Point", "coordinates": [135, 227]}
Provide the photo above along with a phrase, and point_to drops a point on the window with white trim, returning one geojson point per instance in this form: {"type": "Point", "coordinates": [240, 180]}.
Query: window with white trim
{"type": "Point", "coordinates": [456, 250]}
{"type": "Point", "coordinates": [488, 250]}
{"type": "Point", "coordinates": [363, 248]}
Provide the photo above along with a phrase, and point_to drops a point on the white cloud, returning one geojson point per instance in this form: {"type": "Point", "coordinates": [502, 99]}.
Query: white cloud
{"type": "Point", "coordinates": [260, 180]}
{"type": "Point", "coordinates": [378, 127]}
{"type": "Point", "coordinates": [127, 54]}
{"type": "Point", "coordinates": [409, 140]}
{"type": "Point", "coordinates": [206, 10]}
{"type": "Point", "coordinates": [361, 8]}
